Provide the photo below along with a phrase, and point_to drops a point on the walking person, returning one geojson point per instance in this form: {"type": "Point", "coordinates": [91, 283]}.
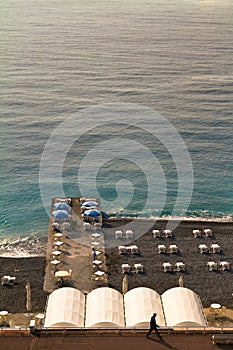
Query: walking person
{"type": "Point", "coordinates": [93, 254]}
{"type": "Point", "coordinates": [153, 326]}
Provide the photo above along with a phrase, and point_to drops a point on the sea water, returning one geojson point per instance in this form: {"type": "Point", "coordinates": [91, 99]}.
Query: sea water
{"type": "Point", "coordinates": [59, 58]}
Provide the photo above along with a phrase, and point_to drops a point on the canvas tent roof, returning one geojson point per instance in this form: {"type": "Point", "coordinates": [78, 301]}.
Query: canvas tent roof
{"type": "Point", "coordinates": [65, 308]}
{"type": "Point", "coordinates": [104, 308]}
{"type": "Point", "coordinates": [140, 304]}
{"type": "Point", "coordinates": [182, 307]}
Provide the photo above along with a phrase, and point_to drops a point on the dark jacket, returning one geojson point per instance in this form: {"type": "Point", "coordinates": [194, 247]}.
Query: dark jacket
{"type": "Point", "coordinates": [153, 322]}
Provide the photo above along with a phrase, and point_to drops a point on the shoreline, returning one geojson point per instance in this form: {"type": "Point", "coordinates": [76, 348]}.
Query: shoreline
{"type": "Point", "coordinates": [20, 248]}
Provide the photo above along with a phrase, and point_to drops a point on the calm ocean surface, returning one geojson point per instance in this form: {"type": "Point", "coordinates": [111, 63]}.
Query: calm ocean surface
{"type": "Point", "coordinates": [60, 57]}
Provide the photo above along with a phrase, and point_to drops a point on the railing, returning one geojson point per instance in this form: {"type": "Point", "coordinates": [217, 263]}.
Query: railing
{"type": "Point", "coordinates": [14, 331]}
{"type": "Point", "coordinates": [135, 330]}
{"type": "Point", "coordinates": [115, 331]}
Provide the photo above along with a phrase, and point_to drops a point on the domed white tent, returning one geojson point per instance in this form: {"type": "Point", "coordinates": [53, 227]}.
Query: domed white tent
{"type": "Point", "coordinates": [182, 307]}
{"type": "Point", "coordinates": [104, 308]}
{"type": "Point", "coordinates": [140, 304]}
{"type": "Point", "coordinates": [65, 308]}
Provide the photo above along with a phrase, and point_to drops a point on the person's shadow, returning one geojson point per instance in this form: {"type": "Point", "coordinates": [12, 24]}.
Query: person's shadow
{"type": "Point", "coordinates": [163, 342]}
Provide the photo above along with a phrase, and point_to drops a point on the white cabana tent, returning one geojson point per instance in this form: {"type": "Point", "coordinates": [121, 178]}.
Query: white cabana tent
{"type": "Point", "coordinates": [104, 308]}
{"type": "Point", "coordinates": [66, 307]}
{"type": "Point", "coordinates": [140, 304]}
{"type": "Point", "coordinates": [182, 307]}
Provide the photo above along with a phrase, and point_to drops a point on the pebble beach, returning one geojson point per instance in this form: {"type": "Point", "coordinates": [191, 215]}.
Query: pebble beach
{"type": "Point", "coordinates": [210, 286]}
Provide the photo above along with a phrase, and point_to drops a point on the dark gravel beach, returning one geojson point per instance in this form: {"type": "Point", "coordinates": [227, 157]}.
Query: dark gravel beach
{"type": "Point", "coordinates": [13, 298]}
{"type": "Point", "coordinates": [210, 286]}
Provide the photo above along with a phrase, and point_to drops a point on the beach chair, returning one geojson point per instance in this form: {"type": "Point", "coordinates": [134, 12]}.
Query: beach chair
{"type": "Point", "coordinates": [97, 226]}
{"type": "Point", "coordinates": [86, 226]}
{"type": "Point", "coordinates": [134, 249]}
{"type": "Point", "coordinates": [224, 265]}
{"type": "Point", "coordinates": [197, 233]}
{"type": "Point", "coordinates": [208, 232]}
{"type": "Point", "coordinates": [156, 233]}
{"type": "Point", "coordinates": [180, 266]}
{"type": "Point", "coordinates": [173, 249]}
{"type": "Point", "coordinates": [139, 268]}
{"type": "Point", "coordinates": [167, 233]}
{"type": "Point", "coordinates": [203, 249]}
{"type": "Point", "coordinates": [99, 275]}
{"type": "Point", "coordinates": [118, 234]}
{"type": "Point", "coordinates": [122, 249]}
{"type": "Point", "coordinates": [55, 225]}
{"type": "Point", "coordinates": [97, 263]}
{"type": "Point", "coordinates": [95, 235]}
{"type": "Point", "coordinates": [212, 266]}
{"type": "Point", "coordinates": [8, 281]}
{"type": "Point", "coordinates": [162, 249]}
{"type": "Point", "coordinates": [167, 267]}
{"type": "Point", "coordinates": [65, 226]}
{"type": "Point", "coordinates": [215, 248]}
{"type": "Point", "coordinates": [125, 268]}
{"type": "Point", "coordinates": [128, 234]}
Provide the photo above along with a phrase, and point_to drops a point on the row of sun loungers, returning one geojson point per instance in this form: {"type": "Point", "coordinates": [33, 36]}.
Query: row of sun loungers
{"type": "Point", "coordinates": [172, 249]}
{"type": "Point", "coordinates": [212, 265]}
{"type": "Point", "coordinates": [133, 249]}
{"type": "Point", "coordinates": [222, 265]}
{"type": "Point", "coordinates": [126, 234]}
{"type": "Point", "coordinates": [179, 266]}
{"type": "Point", "coordinates": [164, 233]}
{"type": "Point", "coordinates": [214, 248]}
{"type": "Point", "coordinates": [207, 232]}
{"type": "Point", "coordinates": [137, 267]}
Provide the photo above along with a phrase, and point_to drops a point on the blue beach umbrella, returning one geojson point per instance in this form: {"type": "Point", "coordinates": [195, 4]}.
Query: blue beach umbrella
{"type": "Point", "coordinates": [61, 206]}
{"type": "Point", "coordinates": [90, 204]}
{"type": "Point", "coordinates": [60, 214]}
{"type": "Point", "coordinates": [92, 212]}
